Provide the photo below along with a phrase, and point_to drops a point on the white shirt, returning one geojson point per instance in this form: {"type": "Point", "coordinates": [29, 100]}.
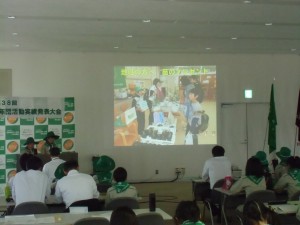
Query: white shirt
{"type": "Point", "coordinates": [216, 168]}
{"type": "Point", "coordinates": [50, 167]}
{"type": "Point", "coordinates": [31, 185]}
{"type": "Point", "coordinates": [75, 187]}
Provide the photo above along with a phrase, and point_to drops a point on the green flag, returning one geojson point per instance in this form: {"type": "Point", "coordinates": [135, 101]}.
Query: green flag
{"type": "Point", "coordinates": [272, 123]}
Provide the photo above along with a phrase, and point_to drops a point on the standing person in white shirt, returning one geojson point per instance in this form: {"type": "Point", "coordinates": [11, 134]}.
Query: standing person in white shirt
{"type": "Point", "coordinates": [50, 167]}
{"type": "Point", "coordinates": [75, 186]}
{"type": "Point", "coordinates": [216, 168]}
{"type": "Point", "coordinates": [31, 185]}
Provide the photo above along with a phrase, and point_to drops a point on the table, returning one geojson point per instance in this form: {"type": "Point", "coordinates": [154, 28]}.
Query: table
{"type": "Point", "coordinates": [200, 189]}
{"type": "Point", "coordinates": [68, 218]}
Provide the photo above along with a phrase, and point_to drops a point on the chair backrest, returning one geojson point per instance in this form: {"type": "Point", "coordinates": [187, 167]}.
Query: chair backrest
{"type": "Point", "coordinates": [151, 218]}
{"type": "Point", "coordinates": [92, 204]}
{"type": "Point", "coordinates": [296, 196]}
{"type": "Point", "coordinates": [122, 201]}
{"type": "Point", "coordinates": [262, 196]}
{"type": "Point", "coordinates": [27, 208]}
{"type": "Point", "coordinates": [92, 221]}
{"type": "Point", "coordinates": [219, 183]}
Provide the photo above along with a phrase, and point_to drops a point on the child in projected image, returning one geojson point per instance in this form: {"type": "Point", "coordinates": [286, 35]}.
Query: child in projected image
{"type": "Point", "coordinates": [194, 115]}
{"type": "Point", "coordinates": [187, 213]}
{"type": "Point", "coordinates": [138, 102]}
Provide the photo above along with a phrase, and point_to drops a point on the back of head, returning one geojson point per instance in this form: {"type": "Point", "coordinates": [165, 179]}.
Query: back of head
{"type": "Point", "coordinates": [23, 160]}
{"type": "Point", "coordinates": [254, 167]}
{"type": "Point", "coordinates": [54, 151]}
{"type": "Point", "coordinates": [120, 174]}
{"type": "Point", "coordinates": [255, 212]}
{"type": "Point", "coordinates": [34, 163]}
{"type": "Point", "coordinates": [70, 165]}
{"type": "Point", "coordinates": [218, 151]}
{"type": "Point", "coordinates": [187, 210]}
{"type": "Point", "coordinates": [123, 216]}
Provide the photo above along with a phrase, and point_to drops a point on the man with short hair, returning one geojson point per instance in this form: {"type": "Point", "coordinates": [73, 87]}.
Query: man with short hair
{"type": "Point", "coordinates": [216, 168]}
{"type": "Point", "coordinates": [31, 185]}
{"type": "Point", "coordinates": [121, 188]}
{"type": "Point", "coordinates": [50, 167]}
{"type": "Point", "coordinates": [75, 186]}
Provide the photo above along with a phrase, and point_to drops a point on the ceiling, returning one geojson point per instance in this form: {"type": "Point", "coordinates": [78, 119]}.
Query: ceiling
{"type": "Point", "coordinates": [176, 26]}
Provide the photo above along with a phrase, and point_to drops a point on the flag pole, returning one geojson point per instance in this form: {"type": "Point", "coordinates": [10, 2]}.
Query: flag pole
{"type": "Point", "coordinates": [296, 135]}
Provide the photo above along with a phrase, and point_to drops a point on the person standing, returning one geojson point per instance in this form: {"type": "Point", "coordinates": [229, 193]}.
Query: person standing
{"type": "Point", "coordinates": [281, 168]}
{"type": "Point", "coordinates": [29, 149]}
{"type": "Point", "coordinates": [48, 143]}
{"type": "Point", "coordinates": [140, 106]}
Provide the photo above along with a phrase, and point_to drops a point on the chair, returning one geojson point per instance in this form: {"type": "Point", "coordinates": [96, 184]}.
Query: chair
{"type": "Point", "coordinates": [209, 201]}
{"type": "Point", "coordinates": [258, 196]}
{"type": "Point", "coordinates": [92, 221]}
{"type": "Point", "coordinates": [27, 208]}
{"type": "Point", "coordinates": [92, 204]}
{"type": "Point", "coordinates": [122, 201]}
{"type": "Point", "coordinates": [151, 218]}
{"type": "Point", "coordinates": [296, 196]}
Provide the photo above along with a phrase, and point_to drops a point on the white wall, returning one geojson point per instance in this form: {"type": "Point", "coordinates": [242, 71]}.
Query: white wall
{"type": "Point", "coordinates": [89, 76]}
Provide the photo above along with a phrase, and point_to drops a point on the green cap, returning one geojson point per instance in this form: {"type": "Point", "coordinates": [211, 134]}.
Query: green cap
{"type": "Point", "coordinates": [284, 153]}
{"type": "Point", "coordinates": [262, 156]}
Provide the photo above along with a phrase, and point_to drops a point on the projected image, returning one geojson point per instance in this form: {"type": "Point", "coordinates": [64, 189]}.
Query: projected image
{"type": "Point", "coordinates": [164, 105]}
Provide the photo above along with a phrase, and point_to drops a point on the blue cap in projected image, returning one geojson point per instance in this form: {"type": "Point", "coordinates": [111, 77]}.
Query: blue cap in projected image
{"type": "Point", "coordinates": [248, 93]}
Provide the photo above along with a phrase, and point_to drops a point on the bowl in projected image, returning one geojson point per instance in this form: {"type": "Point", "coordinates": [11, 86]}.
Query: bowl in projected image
{"type": "Point", "coordinates": [40, 119]}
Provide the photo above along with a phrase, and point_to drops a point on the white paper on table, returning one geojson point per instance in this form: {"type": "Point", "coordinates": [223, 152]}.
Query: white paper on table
{"type": "Point", "coordinates": [105, 215]}
{"type": "Point", "coordinates": [48, 219]}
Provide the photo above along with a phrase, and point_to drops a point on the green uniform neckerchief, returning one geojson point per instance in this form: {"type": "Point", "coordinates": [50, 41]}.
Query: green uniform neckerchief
{"type": "Point", "coordinates": [188, 222]}
{"type": "Point", "coordinates": [295, 174]}
{"type": "Point", "coordinates": [121, 186]}
{"type": "Point", "coordinates": [255, 179]}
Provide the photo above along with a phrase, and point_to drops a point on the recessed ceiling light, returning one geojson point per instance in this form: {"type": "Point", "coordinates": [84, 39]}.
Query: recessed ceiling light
{"type": "Point", "coordinates": [17, 45]}
{"type": "Point", "coordinates": [11, 17]}
{"type": "Point", "coordinates": [208, 48]}
{"type": "Point", "coordinates": [234, 38]}
{"type": "Point", "coordinates": [293, 49]}
{"type": "Point", "coordinates": [268, 24]}
{"type": "Point", "coordinates": [14, 33]}
{"type": "Point", "coordinates": [146, 21]}
{"type": "Point", "coordinates": [182, 37]}
{"type": "Point", "coordinates": [129, 36]}
{"type": "Point", "coordinates": [116, 47]}
{"type": "Point", "coordinates": [247, 2]}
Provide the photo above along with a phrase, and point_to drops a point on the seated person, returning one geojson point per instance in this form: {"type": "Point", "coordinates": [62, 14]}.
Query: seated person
{"type": "Point", "coordinates": [187, 213]}
{"type": "Point", "coordinates": [262, 156]}
{"type": "Point", "coordinates": [291, 180]}
{"type": "Point", "coordinates": [256, 213]}
{"type": "Point", "coordinates": [31, 185]}
{"type": "Point", "coordinates": [281, 168]}
{"type": "Point", "coordinates": [121, 188]}
{"type": "Point", "coordinates": [254, 179]}
{"type": "Point", "coordinates": [50, 167]}
{"type": "Point", "coordinates": [123, 216]}
{"type": "Point", "coordinates": [75, 186]}
{"type": "Point", "coordinates": [216, 168]}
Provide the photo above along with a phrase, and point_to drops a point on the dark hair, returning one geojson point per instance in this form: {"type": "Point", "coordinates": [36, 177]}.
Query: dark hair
{"type": "Point", "coordinates": [70, 165]}
{"type": "Point", "coordinates": [195, 77]}
{"type": "Point", "coordinates": [23, 160]}
{"type": "Point", "coordinates": [123, 216]}
{"type": "Point", "coordinates": [218, 151]}
{"type": "Point", "coordinates": [120, 174]}
{"type": "Point", "coordinates": [254, 167]}
{"type": "Point", "coordinates": [156, 80]}
{"type": "Point", "coordinates": [184, 80]}
{"type": "Point", "coordinates": [55, 151]}
{"type": "Point", "coordinates": [255, 211]}
{"type": "Point", "coordinates": [34, 163]}
{"type": "Point", "coordinates": [195, 91]}
{"type": "Point", "coordinates": [187, 210]}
